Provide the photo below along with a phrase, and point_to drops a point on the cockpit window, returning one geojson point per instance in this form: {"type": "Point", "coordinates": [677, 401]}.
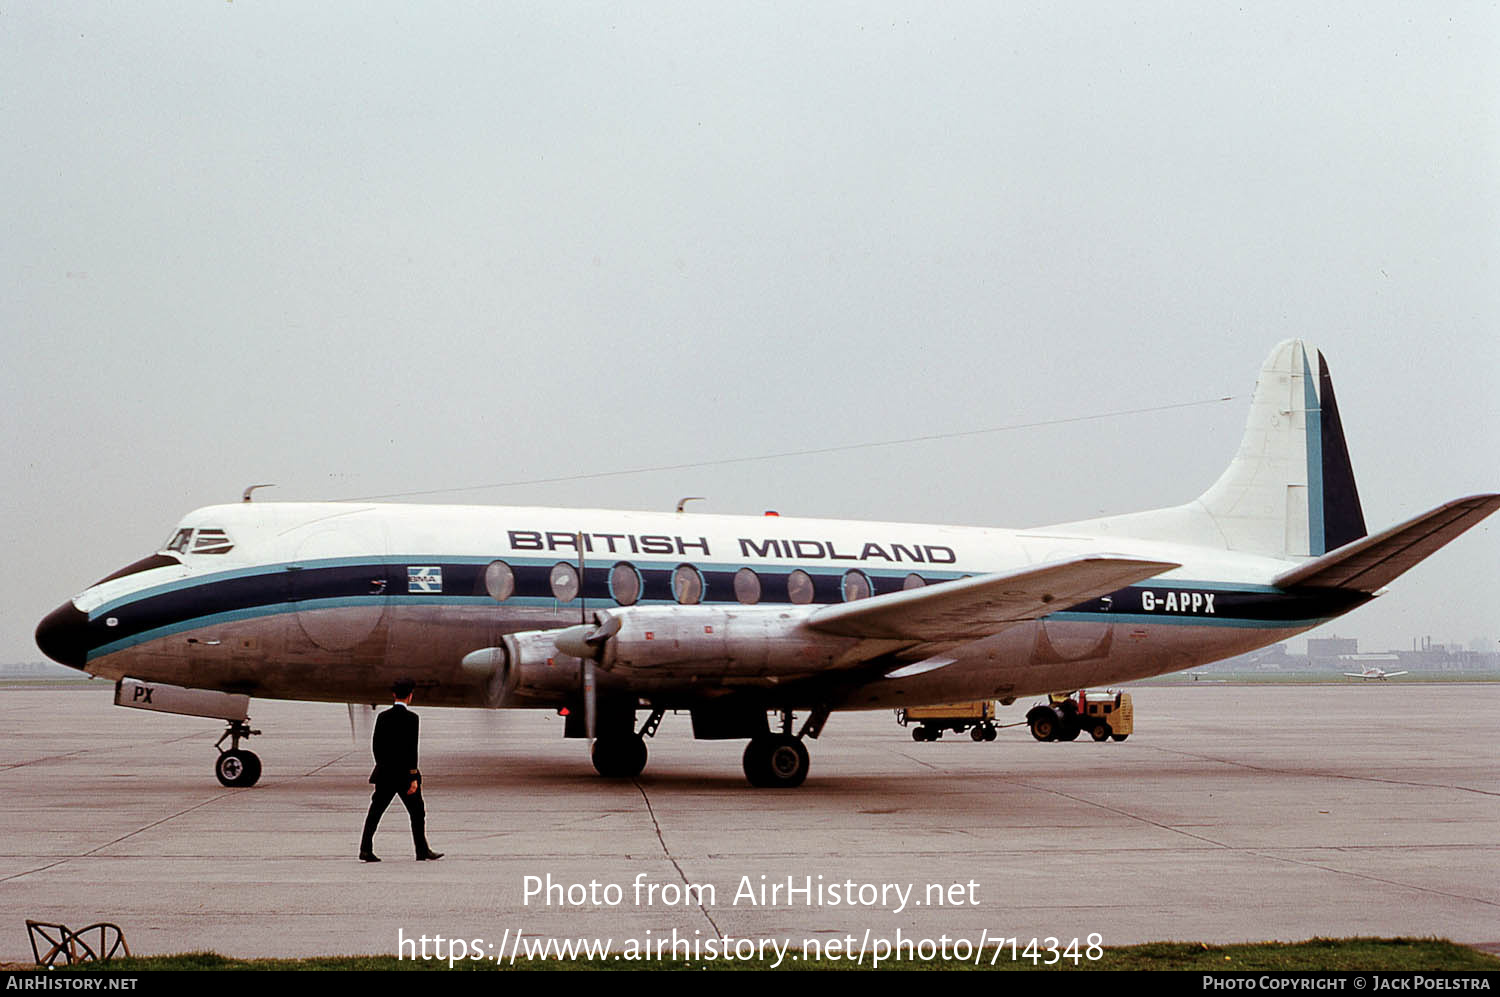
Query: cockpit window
{"type": "Point", "coordinates": [212, 542]}
{"type": "Point", "coordinates": [204, 541]}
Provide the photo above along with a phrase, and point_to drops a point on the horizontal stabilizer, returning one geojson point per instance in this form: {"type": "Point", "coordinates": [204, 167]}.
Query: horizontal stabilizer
{"type": "Point", "coordinates": [1374, 562]}
{"type": "Point", "coordinates": [971, 608]}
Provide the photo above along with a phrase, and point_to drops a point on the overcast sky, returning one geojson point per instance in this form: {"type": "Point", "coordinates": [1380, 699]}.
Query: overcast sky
{"type": "Point", "coordinates": [362, 249]}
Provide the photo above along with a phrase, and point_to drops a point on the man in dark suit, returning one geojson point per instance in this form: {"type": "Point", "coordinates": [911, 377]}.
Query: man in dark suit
{"type": "Point", "coordinates": [396, 774]}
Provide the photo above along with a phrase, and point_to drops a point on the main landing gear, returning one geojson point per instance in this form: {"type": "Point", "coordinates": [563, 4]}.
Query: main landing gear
{"type": "Point", "coordinates": [621, 754]}
{"type": "Point", "coordinates": [776, 761]}
{"type": "Point", "coordinates": [779, 760]}
{"type": "Point", "coordinates": [773, 759]}
{"type": "Point", "coordinates": [236, 767]}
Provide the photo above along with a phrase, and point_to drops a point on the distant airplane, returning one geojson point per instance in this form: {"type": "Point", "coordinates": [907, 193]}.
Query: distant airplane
{"type": "Point", "coordinates": [599, 614]}
{"type": "Point", "coordinates": [1374, 673]}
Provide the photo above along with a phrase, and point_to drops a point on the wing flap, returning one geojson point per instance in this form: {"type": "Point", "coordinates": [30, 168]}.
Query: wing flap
{"type": "Point", "coordinates": [1374, 562]}
{"type": "Point", "coordinates": [971, 608]}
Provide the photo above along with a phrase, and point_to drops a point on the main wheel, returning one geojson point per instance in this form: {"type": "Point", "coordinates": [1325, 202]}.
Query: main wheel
{"type": "Point", "coordinates": [619, 756]}
{"type": "Point", "coordinates": [776, 761]}
{"type": "Point", "coordinates": [237, 768]}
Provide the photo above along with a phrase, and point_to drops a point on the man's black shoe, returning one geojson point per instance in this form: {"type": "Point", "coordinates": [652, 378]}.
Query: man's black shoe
{"type": "Point", "coordinates": [368, 857]}
{"type": "Point", "coordinates": [429, 856]}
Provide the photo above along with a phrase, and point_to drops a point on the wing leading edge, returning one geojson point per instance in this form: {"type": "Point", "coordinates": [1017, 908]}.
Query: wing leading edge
{"type": "Point", "coordinates": [971, 608]}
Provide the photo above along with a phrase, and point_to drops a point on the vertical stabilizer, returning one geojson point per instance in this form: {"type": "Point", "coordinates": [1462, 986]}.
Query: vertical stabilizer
{"type": "Point", "coordinates": [1289, 492]}
{"type": "Point", "coordinates": [1290, 489]}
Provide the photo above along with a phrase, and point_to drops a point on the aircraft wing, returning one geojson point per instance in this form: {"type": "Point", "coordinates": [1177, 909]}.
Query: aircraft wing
{"type": "Point", "coordinates": [971, 608]}
{"type": "Point", "coordinates": [1374, 562]}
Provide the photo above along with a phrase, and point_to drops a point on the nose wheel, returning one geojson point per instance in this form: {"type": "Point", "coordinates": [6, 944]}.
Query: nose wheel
{"type": "Point", "coordinates": [237, 767]}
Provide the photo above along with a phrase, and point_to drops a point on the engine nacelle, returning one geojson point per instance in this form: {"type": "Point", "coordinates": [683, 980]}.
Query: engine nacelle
{"type": "Point", "coordinates": [526, 663]}
{"type": "Point", "coordinates": [659, 646]}
{"type": "Point", "coordinates": [741, 642]}
{"type": "Point", "coordinates": [535, 667]}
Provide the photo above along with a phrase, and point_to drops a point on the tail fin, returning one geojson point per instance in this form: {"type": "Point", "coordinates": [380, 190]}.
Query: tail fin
{"type": "Point", "coordinates": [1290, 489]}
{"type": "Point", "coordinates": [1289, 492]}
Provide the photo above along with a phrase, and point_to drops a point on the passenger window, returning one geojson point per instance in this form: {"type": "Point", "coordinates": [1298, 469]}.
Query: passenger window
{"type": "Point", "coordinates": [499, 581]}
{"type": "Point", "coordinates": [747, 586]}
{"type": "Point", "coordinates": [564, 582]}
{"type": "Point", "coordinates": [799, 587]}
{"type": "Point", "coordinates": [856, 585]}
{"type": "Point", "coordinates": [687, 585]}
{"type": "Point", "coordinates": [625, 584]}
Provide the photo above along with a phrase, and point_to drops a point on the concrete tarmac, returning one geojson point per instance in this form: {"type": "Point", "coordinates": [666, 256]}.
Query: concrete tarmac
{"type": "Point", "coordinates": [1235, 813]}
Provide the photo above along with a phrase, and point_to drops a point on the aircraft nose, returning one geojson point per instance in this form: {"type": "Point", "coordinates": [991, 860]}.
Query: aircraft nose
{"type": "Point", "coordinates": [63, 636]}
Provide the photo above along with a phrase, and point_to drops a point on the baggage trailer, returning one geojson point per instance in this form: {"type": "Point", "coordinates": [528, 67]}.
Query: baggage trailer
{"type": "Point", "coordinates": [978, 718]}
{"type": "Point", "coordinates": [1104, 715]}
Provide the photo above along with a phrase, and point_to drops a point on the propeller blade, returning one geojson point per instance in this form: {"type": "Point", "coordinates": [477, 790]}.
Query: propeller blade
{"type": "Point", "coordinates": [590, 699]}
{"type": "Point", "coordinates": [361, 723]}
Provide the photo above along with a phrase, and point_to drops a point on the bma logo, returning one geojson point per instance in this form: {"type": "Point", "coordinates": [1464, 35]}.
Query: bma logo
{"type": "Point", "coordinates": [424, 579]}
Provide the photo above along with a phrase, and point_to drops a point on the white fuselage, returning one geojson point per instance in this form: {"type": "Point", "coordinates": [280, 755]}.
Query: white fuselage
{"type": "Point", "coordinates": [333, 601]}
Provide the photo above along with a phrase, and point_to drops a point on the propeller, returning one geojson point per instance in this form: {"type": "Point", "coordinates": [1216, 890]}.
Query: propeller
{"type": "Point", "coordinates": [590, 682]}
{"type": "Point", "coordinates": [361, 723]}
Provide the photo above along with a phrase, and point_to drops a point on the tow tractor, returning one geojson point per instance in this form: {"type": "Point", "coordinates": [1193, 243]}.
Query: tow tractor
{"type": "Point", "coordinates": [978, 718]}
{"type": "Point", "coordinates": [1105, 715]}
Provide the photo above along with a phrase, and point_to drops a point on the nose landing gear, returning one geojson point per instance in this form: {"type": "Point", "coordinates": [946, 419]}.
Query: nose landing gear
{"type": "Point", "coordinates": [236, 767]}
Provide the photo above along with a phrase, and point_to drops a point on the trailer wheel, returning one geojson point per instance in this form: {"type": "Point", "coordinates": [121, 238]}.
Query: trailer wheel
{"type": "Point", "coordinates": [977, 733]}
{"type": "Point", "coordinates": [989, 732]}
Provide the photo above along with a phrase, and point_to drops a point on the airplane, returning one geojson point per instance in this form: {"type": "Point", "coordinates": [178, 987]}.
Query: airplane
{"type": "Point", "coordinates": [1374, 672]}
{"type": "Point", "coordinates": [743, 622]}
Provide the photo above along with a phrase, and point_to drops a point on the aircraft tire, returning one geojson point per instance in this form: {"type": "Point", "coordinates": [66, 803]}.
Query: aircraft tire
{"type": "Point", "coordinates": [622, 756]}
{"type": "Point", "coordinates": [237, 769]}
{"type": "Point", "coordinates": [776, 761]}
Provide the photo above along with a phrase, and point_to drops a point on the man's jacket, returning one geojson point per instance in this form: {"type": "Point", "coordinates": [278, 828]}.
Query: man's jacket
{"type": "Point", "coordinates": [395, 747]}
